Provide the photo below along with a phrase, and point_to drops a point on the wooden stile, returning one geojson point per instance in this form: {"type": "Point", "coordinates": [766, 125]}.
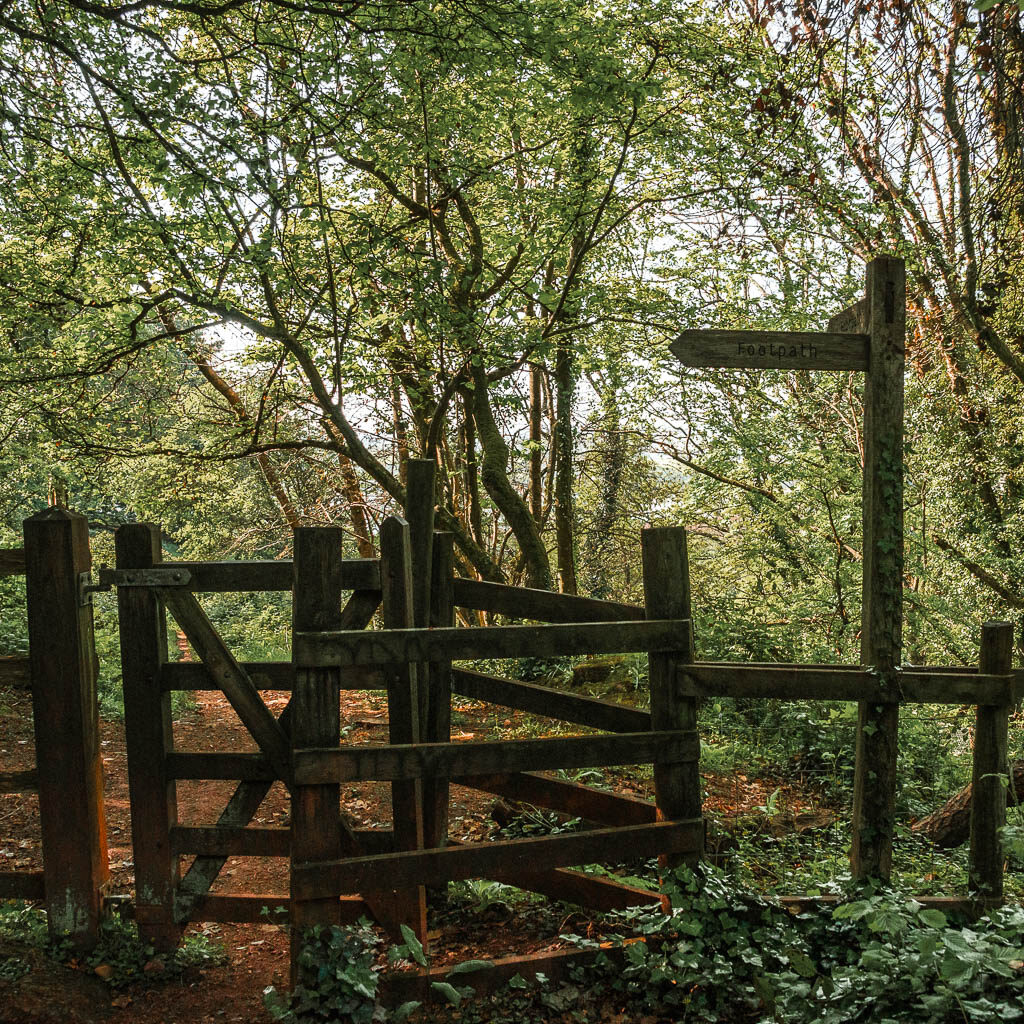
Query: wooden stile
{"type": "Point", "coordinates": [677, 786]}
{"type": "Point", "coordinates": [990, 770]}
{"type": "Point", "coordinates": [398, 646]}
{"type": "Point", "coordinates": [874, 787]}
{"type": "Point", "coordinates": [772, 350]}
{"type": "Point", "coordinates": [315, 829]}
{"type": "Point", "coordinates": [485, 860]}
{"type": "Point", "coordinates": [399, 762]}
{"type": "Point", "coordinates": [69, 766]}
{"type": "Point", "coordinates": [148, 738]}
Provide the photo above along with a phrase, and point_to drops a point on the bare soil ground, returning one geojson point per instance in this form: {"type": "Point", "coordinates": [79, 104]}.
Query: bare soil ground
{"type": "Point", "coordinates": [257, 953]}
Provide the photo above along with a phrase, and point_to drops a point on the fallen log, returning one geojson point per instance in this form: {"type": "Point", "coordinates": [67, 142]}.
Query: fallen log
{"type": "Point", "coordinates": [950, 825]}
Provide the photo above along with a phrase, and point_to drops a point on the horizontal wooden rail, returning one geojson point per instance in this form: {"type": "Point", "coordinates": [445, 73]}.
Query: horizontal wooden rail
{"type": "Point", "coordinates": [423, 760]}
{"type": "Point", "coordinates": [15, 671]}
{"type": "Point", "coordinates": [19, 782]}
{"type": "Point", "coordinates": [221, 577]}
{"type": "Point", "coordinates": [223, 841]}
{"type": "Point", "coordinates": [238, 767]}
{"type": "Point", "coordinates": [550, 703]}
{"type": "Point", "coordinates": [398, 646]}
{"type": "Point", "coordinates": [920, 686]}
{"type": "Point", "coordinates": [596, 805]}
{"type": "Point", "coordinates": [22, 885]}
{"type": "Point", "coordinates": [539, 605]}
{"type": "Point", "coordinates": [194, 675]}
{"type": "Point", "coordinates": [484, 860]}
{"type": "Point", "coordinates": [266, 675]}
{"type": "Point", "coordinates": [12, 561]}
{"type": "Point", "coordinates": [244, 908]}
{"type": "Point", "coordinates": [772, 350]}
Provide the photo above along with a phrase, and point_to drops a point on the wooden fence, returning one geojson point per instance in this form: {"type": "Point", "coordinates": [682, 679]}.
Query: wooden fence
{"type": "Point", "coordinates": [62, 670]}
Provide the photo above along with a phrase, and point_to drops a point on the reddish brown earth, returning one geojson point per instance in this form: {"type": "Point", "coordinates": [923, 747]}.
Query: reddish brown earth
{"type": "Point", "coordinates": [257, 953]}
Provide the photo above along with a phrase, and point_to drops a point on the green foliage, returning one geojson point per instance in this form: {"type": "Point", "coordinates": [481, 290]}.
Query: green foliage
{"type": "Point", "coordinates": [120, 957]}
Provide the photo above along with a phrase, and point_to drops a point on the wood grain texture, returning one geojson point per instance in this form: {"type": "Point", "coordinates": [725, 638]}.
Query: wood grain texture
{"type": "Point", "coordinates": [551, 703]}
{"type": "Point", "coordinates": [65, 712]}
{"type": "Point", "coordinates": [19, 782]}
{"type": "Point", "coordinates": [677, 787]}
{"type": "Point", "coordinates": [148, 737]}
{"type": "Point", "coordinates": [240, 576]}
{"type": "Point", "coordinates": [852, 319]}
{"type": "Point", "coordinates": [489, 757]}
{"type": "Point", "coordinates": [772, 350]}
{"type": "Point", "coordinates": [540, 605]}
{"type": "Point", "coordinates": [874, 786]}
{"type": "Point", "coordinates": [484, 860]}
{"type": "Point", "coordinates": [315, 827]}
{"type": "Point", "coordinates": [990, 770]}
{"type": "Point", "coordinates": [397, 646]}
{"type": "Point", "coordinates": [845, 684]}
{"type": "Point", "coordinates": [22, 885]}
{"type": "Point", "coordinates": [15, 672]}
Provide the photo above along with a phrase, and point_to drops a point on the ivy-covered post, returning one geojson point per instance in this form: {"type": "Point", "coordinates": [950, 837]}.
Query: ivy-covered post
{"type": "Point", "coordinates": [874, 787]}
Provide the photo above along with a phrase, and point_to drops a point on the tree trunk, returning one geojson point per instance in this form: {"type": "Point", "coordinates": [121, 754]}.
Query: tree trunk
{"type": "Point", "coordinates": [564, 526]}
{"type": "Point", "coordinates": [950, 825]}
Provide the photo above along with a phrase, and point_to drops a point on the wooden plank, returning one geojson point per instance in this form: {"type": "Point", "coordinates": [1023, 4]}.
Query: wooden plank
{"type": "Point", "coordinates": [22, 885]}
{"type": "Point", "coordinates": [874, 784]}
{"type": "Point", "coordinates": [65, 713]}
{"type": "Point", "coordinates": [267, 908]}
{"type": "Point", "coordinates": [772, 350]}
{"type": "Point", "coordinates": [194, 675]}
{"type": "Point", "coordinates": [221, 841]}
{"type": "Point", "coordinates": [593, 805]}
{"type": "Point", "coordinates": [419, 512]}
{"type": "Point", "coordinates": [437, 722]}
{"type": "Point", "coordinates": [316, 830]}
{"type": "Point", "coordinates": [990, 770]}
{"type": "Point", "coordinates": [484, 860]}
{"type": "Point", "coordinates": [850, 319]}
{"type": "Point", "coordinates": [491, 757]}
{"type": "Point", "coordinates": [240, 576]}
{"type": "Point", "coordinates": [551, 703]}
{"type": "Point", "coordinates": [15, 672]}
{"type": "Point", "coordinates": [12, 562]}
{"type": "Point", "coordinates": [19, 782]}
{"type": "Point", "coordinates": [148, 737]}
{"type": "Point", "coordinates": [235, 684]}
{"type": "Point", "coordinates": [397, 987]}
{"type": "Point", "coordinates": [677, 787]}
{"type": "Point", "coordinates": [595, 892]}
{"type": "Point", "coordinates": [243, 767]}
{"type": "Point", "coordinates": [404, 710]}
{"type": "Point", "coordinates": [844, 684]}
{"type": "Point", "coordinates": [397, 646]}
{"type": "Point", "coordinates": [540, 605]}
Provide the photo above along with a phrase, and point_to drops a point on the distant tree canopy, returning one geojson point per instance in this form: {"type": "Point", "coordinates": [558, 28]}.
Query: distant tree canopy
{"type": "Point", "coordinates": [276, 249]}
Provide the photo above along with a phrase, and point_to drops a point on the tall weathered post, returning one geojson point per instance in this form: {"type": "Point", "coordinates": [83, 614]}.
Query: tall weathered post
{"type": "Point", "coordinates": [64, 669]}
{"type": "Point", "coordinates": [874, 787]}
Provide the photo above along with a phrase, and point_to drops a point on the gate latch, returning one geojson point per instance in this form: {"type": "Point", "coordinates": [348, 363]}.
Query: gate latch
{"type": "Point", "coordinates": [168, 576]}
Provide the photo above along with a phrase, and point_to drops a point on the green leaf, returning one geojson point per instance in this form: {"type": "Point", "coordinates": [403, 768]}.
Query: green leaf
{"type": "Point", "coordinates": [414, 945]}
{"type": "Point", "coordinates": [933, 918]}
{"type": "Point", "coordinates": [402, 1012]}
{"type": "Point", "coordinates": [448, 991]}
{"type": "Point", "coordinates": [467, 966]}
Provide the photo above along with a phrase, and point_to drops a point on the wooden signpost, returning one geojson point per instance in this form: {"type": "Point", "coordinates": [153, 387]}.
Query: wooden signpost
{"type": "Point", "coordinates": [869, 336]}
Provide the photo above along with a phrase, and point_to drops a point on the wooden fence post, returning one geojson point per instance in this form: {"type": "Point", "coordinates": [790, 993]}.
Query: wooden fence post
{"type": "Point", "coordinates": [990, 773]}
{"type": "Point", "coordinates": [149, 738]}
{"type": "Point", "coordinates": [403, 707]}
{"type": "Point", "coordinates": [315, 721]}
{"type": "Point", "coordinates": [420, 516]}
{"type": "Point", "coordinates": [63, 666]}
{"type": "Point", "coordinates": [677, 787]}
{"type": "Point", "coordinates": [437, 726]}
{"type": "Point", "coordinates": [874, 787]}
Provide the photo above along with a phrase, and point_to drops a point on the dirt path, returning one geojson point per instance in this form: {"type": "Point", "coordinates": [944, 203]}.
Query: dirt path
{"type": "Point", "coordinates": [257, 953]}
